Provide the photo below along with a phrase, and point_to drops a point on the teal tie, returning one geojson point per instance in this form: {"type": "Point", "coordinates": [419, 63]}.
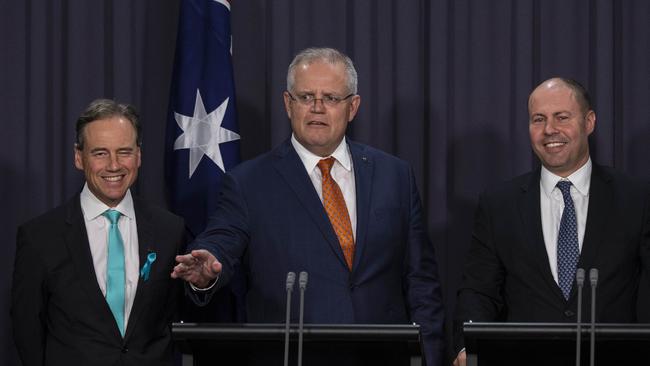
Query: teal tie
{"type": "Point", "coordinates": [115, 277]}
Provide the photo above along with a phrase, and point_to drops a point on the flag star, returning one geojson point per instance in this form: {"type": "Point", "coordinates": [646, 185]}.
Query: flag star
{"type": "Point", "coordinates": [202, 133]}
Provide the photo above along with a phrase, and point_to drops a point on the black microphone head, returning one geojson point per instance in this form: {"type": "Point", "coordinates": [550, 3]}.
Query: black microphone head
{"type": "Point", "coordinates": [580, 276]}
{"type": "Point", "coordinates": [593, 276]}
{"type": "Point", "coordinates": [302, 280]}
{"type": "Point", "coordinates": [291, 279]}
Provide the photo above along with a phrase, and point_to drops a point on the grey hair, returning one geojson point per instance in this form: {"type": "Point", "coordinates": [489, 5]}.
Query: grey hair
{"type": "Point", "coordinates": [106, 108]}
{"type": "Point", "coordinates": [329, 55]}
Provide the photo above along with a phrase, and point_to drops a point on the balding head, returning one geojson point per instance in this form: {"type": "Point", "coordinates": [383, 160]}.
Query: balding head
{"type": "Point", "coordinates": [580, 94]}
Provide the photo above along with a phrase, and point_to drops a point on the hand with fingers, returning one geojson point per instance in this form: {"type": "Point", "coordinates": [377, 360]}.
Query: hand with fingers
{"type": "Point", "coordinates": [199, 268]}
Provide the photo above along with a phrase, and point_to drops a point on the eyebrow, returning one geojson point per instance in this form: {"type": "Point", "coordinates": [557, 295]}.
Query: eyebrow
{"type": "Point", "coordinates": [126, 148]}
{"type": "Point", "coordinates": [561, 112]}
{"type": "Point", "coordinates": [554, 114]}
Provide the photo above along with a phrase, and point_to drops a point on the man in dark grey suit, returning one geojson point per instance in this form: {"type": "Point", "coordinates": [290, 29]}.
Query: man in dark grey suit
{"type": "Point", "coordinates": [91, 280]}
{"type": "Point", "coordinates": [533, 232]}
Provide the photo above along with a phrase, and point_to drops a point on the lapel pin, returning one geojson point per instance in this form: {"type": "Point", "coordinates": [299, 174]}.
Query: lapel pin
{"type": "Point", "coordinates": [146, 268]}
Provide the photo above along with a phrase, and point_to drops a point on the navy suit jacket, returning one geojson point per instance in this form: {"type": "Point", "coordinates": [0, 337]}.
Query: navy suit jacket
{"type": "Point", "coordinates": [507, 275]}
{"type": "Point", "coordinates": [270, 216]}
{"type": "Point", "coordinates": [59, 314]}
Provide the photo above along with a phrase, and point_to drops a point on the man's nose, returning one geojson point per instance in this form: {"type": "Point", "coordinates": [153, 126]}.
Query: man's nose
{"type": "Point", "coordinates": [317, 107]}
{"type": "Point", "coordinates": [550, 127]}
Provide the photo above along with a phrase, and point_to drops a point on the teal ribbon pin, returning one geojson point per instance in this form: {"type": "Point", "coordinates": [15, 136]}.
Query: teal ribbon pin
{"type": "Point", "coordinates": [144, 272]}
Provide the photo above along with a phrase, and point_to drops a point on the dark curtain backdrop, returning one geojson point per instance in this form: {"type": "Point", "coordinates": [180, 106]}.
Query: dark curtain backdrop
{"type": "Point", "coordinates": [444, 85]}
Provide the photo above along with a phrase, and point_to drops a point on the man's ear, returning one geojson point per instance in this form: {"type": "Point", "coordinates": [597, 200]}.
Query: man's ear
{"type": "Point", "coordinates": [590, 122]}
{"type": "Point", "coordinates": [78, 161]}
{"type": "Point", "coordinates": [287, 103]}
{"type": "Point", "coordinates": [354, 107]}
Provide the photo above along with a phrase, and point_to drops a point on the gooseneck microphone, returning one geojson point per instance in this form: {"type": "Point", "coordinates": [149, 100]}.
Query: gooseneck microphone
{"type": "Point", "coordinates": [302, 284]}
{"type": "Point", "coordinates": [291, 279]}
{"type": "Point", "coordinates": [593, 279]}
{"type": "Point", "coordinates": [580, 281]}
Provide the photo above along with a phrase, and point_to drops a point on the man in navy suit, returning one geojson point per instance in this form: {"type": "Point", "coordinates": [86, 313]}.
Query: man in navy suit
{"type": "Point", "coordinates": [524, 254]}
{"type": "Point", "coordinates": [87, 291]}
{"type": "Point", "coordinates": [369, 259]}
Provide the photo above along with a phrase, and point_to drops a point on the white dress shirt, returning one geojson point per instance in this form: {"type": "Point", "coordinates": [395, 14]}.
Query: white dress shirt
{"type": "Point", "coordinates": [97, 228]}
{"type": "Point", "coordinates": [342, 172]}
{"type": "Point", "coordinates": [552, 205]}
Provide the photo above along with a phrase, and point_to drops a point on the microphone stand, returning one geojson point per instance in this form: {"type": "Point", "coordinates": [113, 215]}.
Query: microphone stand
{"type": "Point", "coordinates": [580, 281]}
{"type": "Point", "coordinates": [593, 278]}
{"type": "Point", "coordinates": [302, 282]}
{"type": "Point", "coordinates": [291, 279]}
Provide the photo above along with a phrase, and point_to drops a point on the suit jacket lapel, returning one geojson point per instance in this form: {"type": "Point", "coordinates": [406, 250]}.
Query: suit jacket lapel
{"type": "Point", "coordinates": [76, 239]}
{"type": "Point", "coordinates": [600, 203]}
{"type": "Point", "coordinates": [363, 170]}
{"type": "Point", "coordinates": [530, 211]}
{"type": "Point", "coordinates": [146, 245]}
{"type": "Point", "coordinates": [290, 167]}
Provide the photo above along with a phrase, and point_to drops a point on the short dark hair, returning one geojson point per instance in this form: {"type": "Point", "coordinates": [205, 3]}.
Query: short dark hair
{"type": "Point", "coordinates": [580, 92]}
{"type": "Point", "coordinates": [106, 108]}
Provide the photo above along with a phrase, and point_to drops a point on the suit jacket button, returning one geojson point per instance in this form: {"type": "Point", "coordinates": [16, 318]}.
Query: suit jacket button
{"type": "Point", "coordinates": [569, 313]}
{"type": "Point", "coordinates": [125, 349]}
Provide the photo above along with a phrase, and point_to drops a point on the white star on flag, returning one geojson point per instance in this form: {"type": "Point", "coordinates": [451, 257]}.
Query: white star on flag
{"type": "Point", "coordinates": [202, 133]}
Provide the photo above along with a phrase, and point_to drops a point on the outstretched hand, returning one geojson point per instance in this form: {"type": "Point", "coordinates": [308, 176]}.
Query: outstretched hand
{"type": "Point", "coordinates": [199, 268]}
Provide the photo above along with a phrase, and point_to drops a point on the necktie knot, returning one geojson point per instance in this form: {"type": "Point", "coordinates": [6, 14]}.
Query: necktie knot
{"type": "Point", "coordinates": [112, 215]}
{"type": "Point", "coordinates": [325, 165]}
{"type": "Point", "coordinates": [565, 188]}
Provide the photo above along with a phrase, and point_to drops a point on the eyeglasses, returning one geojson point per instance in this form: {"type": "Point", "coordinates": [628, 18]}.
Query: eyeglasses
{"type": "Point", "coordinates": [309, 100]}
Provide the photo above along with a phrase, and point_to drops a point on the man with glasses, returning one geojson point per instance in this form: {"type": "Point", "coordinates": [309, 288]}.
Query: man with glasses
{"type": "Point", "coordinates": [346, 213]}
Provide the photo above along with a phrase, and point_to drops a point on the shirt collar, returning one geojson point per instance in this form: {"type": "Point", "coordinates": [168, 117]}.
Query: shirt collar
{"type": "Point", "coordinates": [92, 207]}
{"type": "Point", "coordinates": [581, 179]}
{"type": "Point", "coordinates": [310, 160]}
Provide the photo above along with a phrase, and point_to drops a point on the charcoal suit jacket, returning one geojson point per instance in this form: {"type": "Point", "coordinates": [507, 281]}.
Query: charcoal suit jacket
{"type": "Point", "coordinates": [507, 277]}
{"type": "Point", "coordinates": [59, 314]}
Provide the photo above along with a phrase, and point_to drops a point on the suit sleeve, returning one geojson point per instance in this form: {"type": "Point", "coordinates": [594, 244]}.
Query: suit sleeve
{"type": "Point", "coordinates": [423, 286]}
{"type": "Point", "coordinates": [479, 296]}
{"type": "Point", "coordinates": [28, 301]}
{"type": "Point", "coordinates": [643, 300]}
{"type": "Point", "coordinates": [226, 236]}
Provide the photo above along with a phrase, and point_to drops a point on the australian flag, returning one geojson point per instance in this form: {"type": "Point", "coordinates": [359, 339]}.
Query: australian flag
{"type": "Point", "coordinates": [202, 132]}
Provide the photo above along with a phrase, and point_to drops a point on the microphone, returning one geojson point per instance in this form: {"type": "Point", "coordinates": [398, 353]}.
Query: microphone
{"type": "Point", "coordinates": [291, 279]}
{"type": "Point", "coordinates": [580, 281]}
{"type": "Point", "coordinates": [302, 283]}
{"type": "Point", "coordinates": [593, 279]}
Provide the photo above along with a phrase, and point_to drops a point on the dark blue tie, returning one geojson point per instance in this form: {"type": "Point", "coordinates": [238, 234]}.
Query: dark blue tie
{"type": "Point", "coordinates": [567, 242]}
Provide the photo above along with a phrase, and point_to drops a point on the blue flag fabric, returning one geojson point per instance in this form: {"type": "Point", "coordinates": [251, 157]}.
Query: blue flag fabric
{"type": "Point", "coordinates": [202, 132]}
{"type": "Point", "coordinates": [202, 137]}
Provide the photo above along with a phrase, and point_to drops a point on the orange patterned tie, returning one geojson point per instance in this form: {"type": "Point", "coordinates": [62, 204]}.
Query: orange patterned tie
{"type": "Point", "coordinates": [337, 211]}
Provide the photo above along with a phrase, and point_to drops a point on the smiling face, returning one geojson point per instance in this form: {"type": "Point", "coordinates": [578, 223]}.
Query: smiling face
{"type": "Point", "coordinates": [559, 129]}
{"type": "Point", "coordinates": [109, 158]}
{"type": "Point", "coordinates": [320, 128]}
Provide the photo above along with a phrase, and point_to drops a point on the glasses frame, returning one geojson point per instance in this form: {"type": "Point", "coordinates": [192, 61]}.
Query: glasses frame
{"type": "Point", "coordinates": [325, 104]}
